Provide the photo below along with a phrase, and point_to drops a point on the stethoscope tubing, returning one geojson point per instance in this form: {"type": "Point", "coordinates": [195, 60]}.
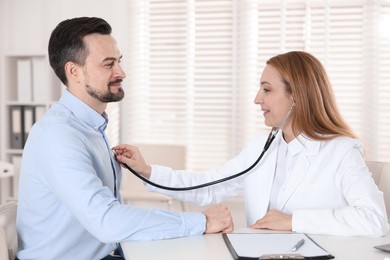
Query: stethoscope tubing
{"type": "Point", "coordinates": [268, 143]}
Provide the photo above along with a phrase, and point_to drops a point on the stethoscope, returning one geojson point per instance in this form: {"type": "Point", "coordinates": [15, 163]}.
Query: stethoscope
{"type": "Point", "coordinates": [271, 136]}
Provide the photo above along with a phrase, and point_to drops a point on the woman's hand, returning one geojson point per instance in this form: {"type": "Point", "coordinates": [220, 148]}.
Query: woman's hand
{"type": "Point", "coordinates": [275, 220]}
{"type": "Point", "coordinates": [131, 155]}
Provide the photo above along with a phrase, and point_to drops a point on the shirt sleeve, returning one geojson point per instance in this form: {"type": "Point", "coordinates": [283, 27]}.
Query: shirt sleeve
{"type": "Point", "coordinates": [212, 194]}
{"type": "Point", "coordinates": [68, 172]}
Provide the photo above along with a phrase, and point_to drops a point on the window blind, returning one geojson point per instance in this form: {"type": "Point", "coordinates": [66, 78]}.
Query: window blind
{"type": "Point", "coordinates": [182, 92]}
{"type": "Point", "coordinates": [380, 78]}
{"type": "Point", "coordinates": [195, 66]}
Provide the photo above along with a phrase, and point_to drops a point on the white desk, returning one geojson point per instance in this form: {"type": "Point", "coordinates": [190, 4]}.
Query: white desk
{"type": "Point", "coordinates": [212, 247]}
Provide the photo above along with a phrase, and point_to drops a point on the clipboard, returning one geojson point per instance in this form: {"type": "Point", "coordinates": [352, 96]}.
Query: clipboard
{"type": "Point", "coordinates": [248, 246]}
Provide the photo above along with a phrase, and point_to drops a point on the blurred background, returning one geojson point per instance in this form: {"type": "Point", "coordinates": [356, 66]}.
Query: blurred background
{"type": "Point", "coordinates": [193, 67]}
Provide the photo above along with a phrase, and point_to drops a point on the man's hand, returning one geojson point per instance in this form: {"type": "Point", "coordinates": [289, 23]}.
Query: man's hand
{"type": "Point", "coordinates": [275, 220]}
{"type": "Point", "coordinates": [131, 155]}
{"type": "Point", "coordinates": [218, 218]}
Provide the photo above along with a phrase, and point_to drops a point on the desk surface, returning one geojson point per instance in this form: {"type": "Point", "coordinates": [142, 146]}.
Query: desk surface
{"type": "Point", "coordinates": [212, 247]}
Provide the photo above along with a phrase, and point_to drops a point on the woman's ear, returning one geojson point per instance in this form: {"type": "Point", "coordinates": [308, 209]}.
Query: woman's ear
{"type": "Point", "coordinates": [293, 100]}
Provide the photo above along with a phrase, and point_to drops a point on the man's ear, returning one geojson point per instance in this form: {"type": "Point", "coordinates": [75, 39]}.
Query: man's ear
{"type": "Point", "coordinates": [73, 72]}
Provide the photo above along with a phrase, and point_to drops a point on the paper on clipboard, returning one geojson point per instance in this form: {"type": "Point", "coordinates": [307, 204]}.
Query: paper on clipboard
{"type": "Point", "coordinates": [255, 245]}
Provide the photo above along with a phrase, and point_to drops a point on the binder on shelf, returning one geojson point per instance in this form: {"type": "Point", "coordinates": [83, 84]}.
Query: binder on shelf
{"type": "Point", "coordinates": [6, 170]}
{"type": "Point", "coordinates": [28, 121]}
{"type": "Point", "coordinates": [39, 112]}
{"type": "Point", "coordinates": [16, 161]}
{"type": "Point", "coordinates": [24, 80]}
{"type": "Point", "coordinates": [40, 80]}
{"type": "Point", "coordinates": [16, 131]}
{"type": "Point", "coordinates": [6, 173]}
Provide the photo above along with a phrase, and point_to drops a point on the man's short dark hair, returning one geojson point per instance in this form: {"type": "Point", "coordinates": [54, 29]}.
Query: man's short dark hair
{"type": "Point", "coordinates": [66, 42]}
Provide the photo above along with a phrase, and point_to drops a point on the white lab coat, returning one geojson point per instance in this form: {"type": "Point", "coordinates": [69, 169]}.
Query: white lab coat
{"type": "Point", "coordinates": [330, 189]}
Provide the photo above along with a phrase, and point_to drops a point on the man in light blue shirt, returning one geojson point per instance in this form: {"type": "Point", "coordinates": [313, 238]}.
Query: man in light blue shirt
{"type": "Point", "coordinates": [69, 206]}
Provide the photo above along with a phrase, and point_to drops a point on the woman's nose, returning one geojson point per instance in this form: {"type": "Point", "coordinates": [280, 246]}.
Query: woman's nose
{"type": "Point", "coordinates": [258, 98]}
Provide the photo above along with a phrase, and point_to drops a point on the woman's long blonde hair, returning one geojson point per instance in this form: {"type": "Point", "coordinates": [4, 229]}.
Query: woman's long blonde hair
{"type": "Point", "coordinates": [316, 114]}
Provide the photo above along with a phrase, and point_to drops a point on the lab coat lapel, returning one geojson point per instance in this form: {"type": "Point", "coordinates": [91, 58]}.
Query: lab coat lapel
{"type": "Point", "coordinates": [300, 164]}
{"type": "Point", "coordinates": [267, 177]}
{"type": "Point", "coordinates": [259, 184]}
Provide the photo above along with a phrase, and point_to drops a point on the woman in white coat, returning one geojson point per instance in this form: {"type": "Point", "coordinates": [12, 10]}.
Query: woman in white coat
{"type": "Point", "coordinates": [312, 179]}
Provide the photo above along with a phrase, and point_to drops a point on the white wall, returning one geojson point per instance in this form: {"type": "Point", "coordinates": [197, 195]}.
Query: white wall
{"type": "Point", "coordinates": [29, 22]}
{"type": "Point", "coordinates": [26, 25]}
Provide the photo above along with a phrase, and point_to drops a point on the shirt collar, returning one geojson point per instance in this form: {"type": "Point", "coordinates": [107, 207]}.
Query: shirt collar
{"type": "Point", "coordinates": [302, 143]}
{"type": "Point", "coordinates": [84, 112]}
{"type": "Point", "coordinates": [295, 146]}
{"type": "Point", "coordinates": [310, 146]}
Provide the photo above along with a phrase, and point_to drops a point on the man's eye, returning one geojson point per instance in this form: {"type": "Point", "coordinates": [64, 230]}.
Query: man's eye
{"type": "Point", "coordinates": [109, 65]}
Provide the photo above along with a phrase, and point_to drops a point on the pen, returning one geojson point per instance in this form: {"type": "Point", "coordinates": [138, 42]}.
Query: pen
{"type": "Point", "coordinates": [298, 245]}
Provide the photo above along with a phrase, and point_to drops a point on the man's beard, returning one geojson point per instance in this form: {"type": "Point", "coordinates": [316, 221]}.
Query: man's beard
{"type": "Point", "coordinates": [108, 96]}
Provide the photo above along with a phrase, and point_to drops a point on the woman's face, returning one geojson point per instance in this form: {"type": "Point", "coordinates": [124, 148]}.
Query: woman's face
{"type": "Point", "coordinates": [273, 98]}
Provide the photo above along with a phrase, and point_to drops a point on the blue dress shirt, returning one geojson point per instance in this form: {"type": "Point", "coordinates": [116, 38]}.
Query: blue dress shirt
{"type": "Point", "coordinates": [67, 207]}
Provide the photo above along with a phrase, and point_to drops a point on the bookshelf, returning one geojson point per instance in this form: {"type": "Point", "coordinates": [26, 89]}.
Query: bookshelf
{"type": "Point", "coordinates": [28, 88]}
